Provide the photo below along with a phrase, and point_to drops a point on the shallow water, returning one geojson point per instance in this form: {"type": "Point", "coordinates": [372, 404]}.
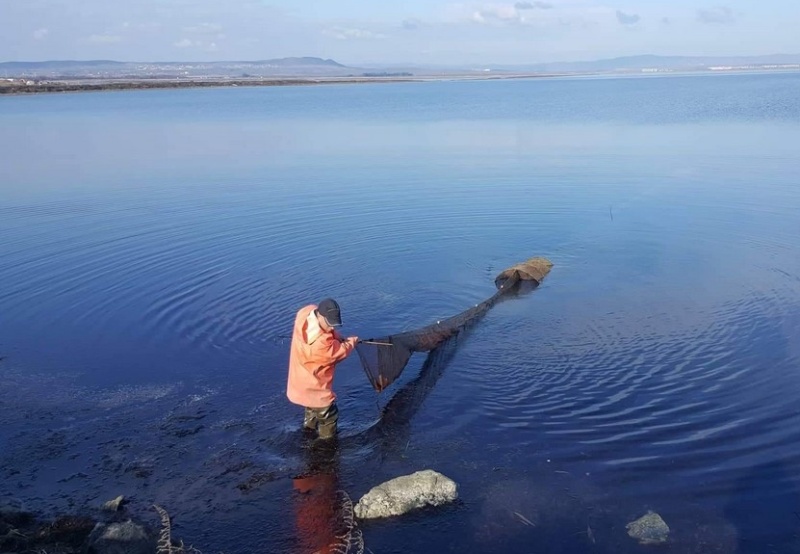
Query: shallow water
{"type": "Point", "coordinates": [156, 245]}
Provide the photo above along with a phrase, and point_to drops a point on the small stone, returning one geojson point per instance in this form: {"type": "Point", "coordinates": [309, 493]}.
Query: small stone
{"type": "Point", "coordinates": [121, 538]}
{"type": "Point", "coordinates": [114, 505]}
{"type": "Point", "coordinates": [649, 529]}
{"type": "Point", "coordinates": [406, 493]}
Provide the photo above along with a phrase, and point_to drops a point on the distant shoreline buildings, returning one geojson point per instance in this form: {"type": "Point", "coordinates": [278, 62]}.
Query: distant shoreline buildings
{"type": "Point", "coordinates": [48, 77]}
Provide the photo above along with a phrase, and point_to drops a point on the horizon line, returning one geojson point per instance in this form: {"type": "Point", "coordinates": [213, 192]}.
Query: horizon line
{"type": "Point", "coordinates": [410, 63]}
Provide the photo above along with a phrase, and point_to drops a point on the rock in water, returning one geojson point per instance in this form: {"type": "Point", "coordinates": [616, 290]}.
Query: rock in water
{"type": "Point", "coordinates": [114, 505]}
{"type": "Point", "coordinates": [406, 493]}
{"type": "Point", "coordinates": [649, 529]}
{"type": "Point", "coordinates": [121, 538]}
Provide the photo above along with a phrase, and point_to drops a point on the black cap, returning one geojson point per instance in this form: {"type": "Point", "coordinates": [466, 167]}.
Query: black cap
{"type": "Point", "coordinates": [329, 309]}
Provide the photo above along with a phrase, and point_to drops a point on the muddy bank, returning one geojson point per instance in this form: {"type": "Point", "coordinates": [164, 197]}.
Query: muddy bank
{"type": "Point", "coordinates": [108, 530]}
{"type": "Point", "coordinates": [84, 86]}
{"type": "Point", "coordinates": [45, 86]}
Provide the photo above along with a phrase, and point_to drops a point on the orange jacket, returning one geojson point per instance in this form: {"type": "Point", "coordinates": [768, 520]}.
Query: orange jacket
{"type": "Point", "coordinates": [312, 360]}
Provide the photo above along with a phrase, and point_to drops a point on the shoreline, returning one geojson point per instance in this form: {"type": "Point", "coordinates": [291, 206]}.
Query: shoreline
{"type": "Point", "coordinates": [106, 529]}
{"type": "Point", "coordinates": [85, 85]}
{"type": "Point", "coordinates": [90, 85]}
{"type": "Point", "coordinates": [57, 86]}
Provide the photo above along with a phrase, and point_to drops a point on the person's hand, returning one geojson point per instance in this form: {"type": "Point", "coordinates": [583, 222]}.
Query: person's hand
{"type": "Point", "coordinates": [352, 340]}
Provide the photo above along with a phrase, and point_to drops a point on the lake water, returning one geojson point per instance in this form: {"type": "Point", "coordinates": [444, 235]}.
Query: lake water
{"type": "Point", "coordinates": [155, 246]}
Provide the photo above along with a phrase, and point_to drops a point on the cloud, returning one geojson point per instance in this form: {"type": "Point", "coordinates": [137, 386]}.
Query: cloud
{"type": "Point", "coordinates": [412, 23]}
{"type": "Point", "coordinates": [203, 29]}
{"type": "Point", "coordinates": [105, 39]}
{"type": "Point", "coordinates": [533, 6]}
{"type": "Point", "coordinates": [351, 34]}
{"type": "Point", "coordinates": [501, 13]}
{"type": "Point", "coordinates": [721, 15]}
{"type": "Point", "coordinates": [149, 25]}
{"type": "Point", "coordinates": [41, 34]}
{"type": "Point", "coordinates": [198, 44]}
{"type": "Point", "coordinates": [628, 19]}
{"type": "Point", "coordinates": [666, 21]}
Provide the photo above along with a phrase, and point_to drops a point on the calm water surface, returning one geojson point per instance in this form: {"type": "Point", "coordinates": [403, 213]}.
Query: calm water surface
{"type": "Point", "coordinates": [155, 245]}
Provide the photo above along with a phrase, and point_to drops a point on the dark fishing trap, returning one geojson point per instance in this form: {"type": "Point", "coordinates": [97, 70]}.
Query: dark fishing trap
{"type": "Point", "coordinates": [385, 358]}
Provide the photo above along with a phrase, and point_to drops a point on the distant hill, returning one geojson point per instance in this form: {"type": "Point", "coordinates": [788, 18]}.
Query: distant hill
{"type": "Point", "coordinates": [612, 65]}
{"type": "Point", "coordinates": [68, 64]}
{"type": "Point", "coordinates": [296, 62]}
{"type": "Point", "coordinates": [109, 69]}
{"type": "Point", "coordinates": [630, 63]}
{"type": "Point", "coordinates": [57, 64]}
{"type": "Point", "coordinates": [311, 67]}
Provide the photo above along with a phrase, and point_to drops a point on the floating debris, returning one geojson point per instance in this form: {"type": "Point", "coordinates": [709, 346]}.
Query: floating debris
{"type": "Point", "coordinates": [524, 519]}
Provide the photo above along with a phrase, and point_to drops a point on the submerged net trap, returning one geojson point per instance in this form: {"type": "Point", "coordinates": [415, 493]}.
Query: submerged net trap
{"type": "Point", "coordinates": [385, 358]}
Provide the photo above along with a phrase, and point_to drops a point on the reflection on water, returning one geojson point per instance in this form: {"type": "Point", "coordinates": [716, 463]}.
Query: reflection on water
{"type": "Point", "coordinates": [317, 504]}
{"type": "Point", "coordinates": [155, 246]}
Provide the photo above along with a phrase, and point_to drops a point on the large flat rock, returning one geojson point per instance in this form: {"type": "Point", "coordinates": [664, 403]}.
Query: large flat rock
{"type": "Point", "coordinates": [407, 493]}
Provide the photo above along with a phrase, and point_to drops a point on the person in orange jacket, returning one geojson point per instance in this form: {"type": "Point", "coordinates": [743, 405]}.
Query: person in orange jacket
{"type": "Point", "coordinates": [316, 349]}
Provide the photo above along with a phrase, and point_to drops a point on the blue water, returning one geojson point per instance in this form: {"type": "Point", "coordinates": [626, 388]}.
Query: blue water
{"type": "Point", "coordinates": [155, 245]}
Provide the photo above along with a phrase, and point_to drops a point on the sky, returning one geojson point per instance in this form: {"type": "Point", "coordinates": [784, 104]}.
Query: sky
{"type": "Point", "coordinates": [375, 32]}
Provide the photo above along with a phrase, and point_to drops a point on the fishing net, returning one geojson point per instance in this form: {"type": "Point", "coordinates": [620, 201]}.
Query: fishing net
{"type": "Point", "coordinates": [385, 358]}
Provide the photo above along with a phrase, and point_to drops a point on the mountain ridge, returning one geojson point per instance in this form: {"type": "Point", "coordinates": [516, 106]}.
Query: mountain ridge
{"type": "Point", "coordinates": [56, 64]}
{"type": "Point", "coordinates": [309, 66]}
